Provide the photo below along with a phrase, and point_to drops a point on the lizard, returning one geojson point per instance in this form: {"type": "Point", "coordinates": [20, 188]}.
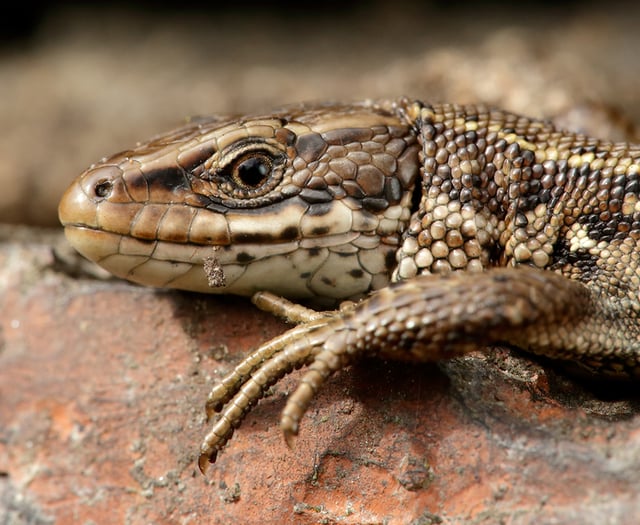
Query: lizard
{"type": "Point", "coordinates": [440, 228]}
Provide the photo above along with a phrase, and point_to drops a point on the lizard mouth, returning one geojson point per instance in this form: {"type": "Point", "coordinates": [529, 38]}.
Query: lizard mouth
{"type": "Point", "coordinates": [286, 268]}
{"type": "Point", "coordinates": [148, 262]}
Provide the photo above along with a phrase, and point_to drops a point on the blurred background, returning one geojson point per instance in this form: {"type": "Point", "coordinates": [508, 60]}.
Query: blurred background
{"type": "Point", "coordinates": [80, 81]}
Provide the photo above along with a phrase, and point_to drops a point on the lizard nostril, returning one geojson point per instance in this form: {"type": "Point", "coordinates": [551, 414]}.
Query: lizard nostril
{"type": "Point", "coordinates": [102, 188]}
{"type": "Point", "coordinates": [100, 182]}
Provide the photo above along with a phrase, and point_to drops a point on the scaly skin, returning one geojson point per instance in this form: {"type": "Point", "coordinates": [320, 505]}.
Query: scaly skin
{"type": "Point", "coordinates": [456, 227]}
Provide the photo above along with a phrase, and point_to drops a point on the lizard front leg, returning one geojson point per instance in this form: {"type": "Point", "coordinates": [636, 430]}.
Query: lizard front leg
{"type": "Point", "coordinates": [428, 318]}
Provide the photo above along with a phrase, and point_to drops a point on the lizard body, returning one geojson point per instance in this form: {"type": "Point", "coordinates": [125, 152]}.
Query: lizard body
{"type": "Point", "coordinates": [455, 227]}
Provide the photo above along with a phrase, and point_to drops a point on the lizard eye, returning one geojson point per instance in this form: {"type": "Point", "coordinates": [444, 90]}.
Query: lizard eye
{"type": "Point", "coordinates": [250, 171]}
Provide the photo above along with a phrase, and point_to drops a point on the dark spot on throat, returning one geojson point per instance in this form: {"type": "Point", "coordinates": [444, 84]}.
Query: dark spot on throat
{"type": "Point", "coordinates": [244, 257]}
{"type": "Point", "coordinates": [320, 230]}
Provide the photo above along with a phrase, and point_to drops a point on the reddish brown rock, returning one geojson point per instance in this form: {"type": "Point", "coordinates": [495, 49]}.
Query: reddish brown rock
{"type": "Point", "coordinates": [102, 386]}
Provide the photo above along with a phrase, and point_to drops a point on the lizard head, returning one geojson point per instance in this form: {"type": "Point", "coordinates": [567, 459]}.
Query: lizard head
{"type": "Point", "coordinates": [306, 201]}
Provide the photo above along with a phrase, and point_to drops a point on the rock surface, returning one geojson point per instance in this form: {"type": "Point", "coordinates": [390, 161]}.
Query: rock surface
{"type": "Point", "coordinates": [102, 386]}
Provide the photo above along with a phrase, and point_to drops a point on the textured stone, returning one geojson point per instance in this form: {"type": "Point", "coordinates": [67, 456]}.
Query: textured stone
{"type": "Point", "coordinates": [103, 384]}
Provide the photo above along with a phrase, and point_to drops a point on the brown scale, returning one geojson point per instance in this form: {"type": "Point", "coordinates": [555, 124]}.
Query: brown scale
{"type": "Point", "coordinates": [520, 233]}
